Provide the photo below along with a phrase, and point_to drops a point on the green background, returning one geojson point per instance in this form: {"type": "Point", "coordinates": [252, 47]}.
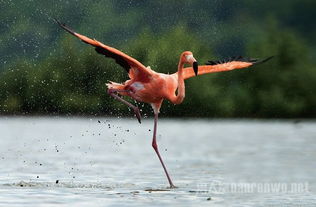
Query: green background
{"type": "Point", "coordinates": [44, 70]}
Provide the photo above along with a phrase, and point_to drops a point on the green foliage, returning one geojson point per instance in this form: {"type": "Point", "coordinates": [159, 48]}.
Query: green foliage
{"type": "Point", "coordinates": [47, 71]}
{"type": "Point", "coordinates": [284, 86]}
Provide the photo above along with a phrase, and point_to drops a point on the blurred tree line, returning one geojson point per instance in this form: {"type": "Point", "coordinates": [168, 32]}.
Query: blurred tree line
{"type": "Point", "coordinates": [44, 70]}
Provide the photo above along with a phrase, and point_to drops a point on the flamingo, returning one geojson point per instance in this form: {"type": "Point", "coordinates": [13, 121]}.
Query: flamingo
{"type": "Point", "coordinates": [146, 85]}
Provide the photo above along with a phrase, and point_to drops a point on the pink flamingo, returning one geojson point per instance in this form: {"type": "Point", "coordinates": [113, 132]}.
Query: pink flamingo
{"type": "Point", "coordinates": [146, 85]}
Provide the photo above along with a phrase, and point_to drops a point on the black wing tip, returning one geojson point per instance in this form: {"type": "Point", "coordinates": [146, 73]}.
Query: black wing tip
{"type": "Point", "coordinates": [118, 59]}
{"type": "Point", "coordinates": [263, 61]}
{"type": "Point", "coordinates": [64, 26]}
{"type": "Point", "coordinates": [238, 58]}
{"type": "Point", "coordinates": [56, 20]}
{"type": "Point", "coordinates": [121, 61]}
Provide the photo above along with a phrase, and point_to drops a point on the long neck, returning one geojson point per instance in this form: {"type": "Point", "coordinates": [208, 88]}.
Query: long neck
{"type": "Point", "coordinates": [181, 88]}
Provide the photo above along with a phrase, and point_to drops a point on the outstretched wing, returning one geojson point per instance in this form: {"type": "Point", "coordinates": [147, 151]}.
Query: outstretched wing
{"type": "Point", "coordinates": [226, 65]}
{"type": "Point", "coordinates": [120, 58]}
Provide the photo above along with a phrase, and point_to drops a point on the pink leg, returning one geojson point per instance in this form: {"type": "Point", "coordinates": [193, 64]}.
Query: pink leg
{"type": "Point", "coordinates": [113, 93]}
{"type": "Point", "coordinates": [154, 144]}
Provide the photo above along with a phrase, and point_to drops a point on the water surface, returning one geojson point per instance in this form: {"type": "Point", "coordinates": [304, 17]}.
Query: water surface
{"type": "Point", "coordinates": [110, 162]}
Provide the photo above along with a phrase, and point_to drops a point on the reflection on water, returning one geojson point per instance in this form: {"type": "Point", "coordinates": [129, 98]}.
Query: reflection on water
{"type": "Point", "coordinates": [102, 161]}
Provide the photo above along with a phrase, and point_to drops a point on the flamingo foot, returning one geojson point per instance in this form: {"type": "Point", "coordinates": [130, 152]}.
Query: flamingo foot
{"type": "Point", "coordinates": [172, 186]}
{"type": "Point", "coordinates": [137, 114]}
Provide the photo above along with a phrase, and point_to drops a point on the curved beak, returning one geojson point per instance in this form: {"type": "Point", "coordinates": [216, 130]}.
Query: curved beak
{"type": "Point", "coordinates": [195, 67]}
{"type": "Point", "coordinates": [191, 60]}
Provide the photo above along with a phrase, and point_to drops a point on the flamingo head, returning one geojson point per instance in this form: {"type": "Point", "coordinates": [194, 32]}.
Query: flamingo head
{"type": "Point", "coordinates": [187, 57]}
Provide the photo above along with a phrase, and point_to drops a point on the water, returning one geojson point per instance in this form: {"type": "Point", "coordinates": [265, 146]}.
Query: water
{"type": "Point", "coordinates": [81, 162]}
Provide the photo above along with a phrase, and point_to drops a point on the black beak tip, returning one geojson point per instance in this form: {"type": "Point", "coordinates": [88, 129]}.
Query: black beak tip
{"type": "Point", "coordinates": [195, 68]}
